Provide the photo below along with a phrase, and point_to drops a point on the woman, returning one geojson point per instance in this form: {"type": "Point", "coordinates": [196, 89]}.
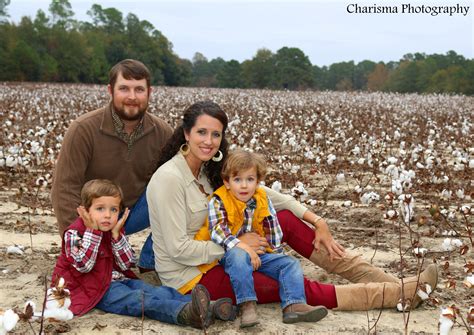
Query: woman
{"type": "Point", "coordinates": [177, 201]}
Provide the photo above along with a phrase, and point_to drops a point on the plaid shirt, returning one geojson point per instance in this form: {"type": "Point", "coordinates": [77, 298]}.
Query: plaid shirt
{"type": "Point", "coordinates": [84, 250]}
{"type": "Point", "coordinates": [221, 234]}
{"type": "Point", "coordinates": [119, 129]}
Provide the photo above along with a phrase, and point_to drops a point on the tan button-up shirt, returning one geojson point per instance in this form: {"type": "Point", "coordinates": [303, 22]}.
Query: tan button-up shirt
{"type": "Point", "coordinates": [177, 211]}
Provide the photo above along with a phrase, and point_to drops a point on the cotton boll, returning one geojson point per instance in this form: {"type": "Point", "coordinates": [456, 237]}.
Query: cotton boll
{"type": "Point", "coordinates": [340, 178]}
{"type": "Point", "coordinates": [276, 186]}
{"type": "Point", "coordinates": [8, 321]}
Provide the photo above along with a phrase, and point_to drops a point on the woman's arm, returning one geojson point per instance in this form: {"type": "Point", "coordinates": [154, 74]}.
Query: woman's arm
{"type": "Point", "coordinates": [168, 209]}
{"type": "Point", "coordinates": [322, 235]}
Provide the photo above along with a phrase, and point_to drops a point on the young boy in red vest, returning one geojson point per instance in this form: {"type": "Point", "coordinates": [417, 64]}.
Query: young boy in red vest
{"type": "Point", "coordinates": [241, 206]}
{"type": "Point", "coordinates": [95, 262]}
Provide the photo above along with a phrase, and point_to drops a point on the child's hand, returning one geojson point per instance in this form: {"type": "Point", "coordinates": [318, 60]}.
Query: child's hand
{"type": "Point", "coordinates": [88, 221]}
{"type": "Point", "coordinates": [120, 223]}
{"type": "Point", "coordinates": [254, 258]}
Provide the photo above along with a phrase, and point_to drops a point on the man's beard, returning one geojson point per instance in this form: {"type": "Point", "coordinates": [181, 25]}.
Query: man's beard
{"type": "Point", "coordinates": [127, 117]}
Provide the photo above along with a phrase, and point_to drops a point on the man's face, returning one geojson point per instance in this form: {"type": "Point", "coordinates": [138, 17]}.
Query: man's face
{"type": "Point", "coordinates": [129, 97]}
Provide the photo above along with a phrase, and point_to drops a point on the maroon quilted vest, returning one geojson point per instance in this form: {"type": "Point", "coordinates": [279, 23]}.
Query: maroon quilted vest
{"type": "Point", "coordinates": [88, 288]}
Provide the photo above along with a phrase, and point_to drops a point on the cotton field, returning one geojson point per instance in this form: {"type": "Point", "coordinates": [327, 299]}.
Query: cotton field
{"type": "Point", "coordinates": [390, 172]}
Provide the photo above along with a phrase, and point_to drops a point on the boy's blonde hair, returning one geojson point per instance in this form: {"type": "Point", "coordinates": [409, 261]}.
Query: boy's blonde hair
{"type": "Point", "coordinates": [240, 160]}
{"type": "Point", "coordinates": [97, 188]}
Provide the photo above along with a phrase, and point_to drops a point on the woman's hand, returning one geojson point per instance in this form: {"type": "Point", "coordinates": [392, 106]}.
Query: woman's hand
{"type": "Point", "coordinates": [256, 242]}
{"type": "Point", "coordinates": [323, 236]}
{"type": "Point", "coordinates": [118, 227]}
{"type": "Point", "coordinates": [88, 221]}
{"type": "Point", "coordinates": [254, 258]}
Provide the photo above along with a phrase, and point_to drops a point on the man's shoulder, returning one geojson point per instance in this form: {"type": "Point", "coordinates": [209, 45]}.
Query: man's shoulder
{"type": "Point", "coordinates": [158, 122]}
{"type": "Point", "coordinates": [91, 116]}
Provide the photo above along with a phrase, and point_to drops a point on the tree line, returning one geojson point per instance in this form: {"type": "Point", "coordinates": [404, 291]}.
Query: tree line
{"type": "Point", "coordinates": [54, 47]}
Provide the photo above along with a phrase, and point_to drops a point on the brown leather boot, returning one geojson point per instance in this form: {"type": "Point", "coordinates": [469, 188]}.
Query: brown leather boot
{"type": "Point", "coordinates": [303, 313]}
{"type": "Point", "coordinates": [351, 267]}
{"type": "Point", "coordinates": [362, 297]}
{"type": "Point", "coordinates": [222, 309]}
{"type": "Point", "coordinates": [197, 313]}
{"type": "Point", "coordinates": [413, 299]}
{"type": "Point", "coordinates": [249, 316]}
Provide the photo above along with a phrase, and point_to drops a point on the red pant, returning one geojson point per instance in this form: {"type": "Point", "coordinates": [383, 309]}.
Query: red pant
{"type": "Point", "coordinates": [300, 237]}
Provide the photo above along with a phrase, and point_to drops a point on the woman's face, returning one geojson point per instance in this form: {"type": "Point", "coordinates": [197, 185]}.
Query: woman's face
{"type": "Point", "coordinates": [204, 139]}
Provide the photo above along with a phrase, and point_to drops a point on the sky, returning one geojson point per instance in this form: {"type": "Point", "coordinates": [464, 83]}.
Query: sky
{"type": "Point", "coordinates": [324, 30]}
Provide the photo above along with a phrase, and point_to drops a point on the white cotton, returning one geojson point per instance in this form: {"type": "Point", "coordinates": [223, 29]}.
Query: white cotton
{"type": "Point", "coordinates": [424, 294]}
{"type": "Point", "coordinates": [276, 186]}
{"type": "Point", "coordinates": [8, 321]}
{"type": "Point", "coordinates": [469, 281]}
{"type": "Point", "coordinates": [331, 158]}
{"type": "Point", "coordinates": [59, 314]}
{"type": "Point", "coordinates": [15, 250]}
{"type": "Point", "coordinates": [446, 245]}
{"type": "Point", "coordinates": [347, 203]}
{"type": "Point", "coordinates": [445, 325]}
{"type": "Point", "coordinates": [369, 197]}
{"type": "Point", "coordinates": [420, 251]}
{"type": "Point", "coordinates": [340, 178]}
{"type": "Point", "coordinates": [446, 194]}
{"type": "Point", "coordinates": [456, 242]}
{"type": "Point", "coordinates": [460, 193]}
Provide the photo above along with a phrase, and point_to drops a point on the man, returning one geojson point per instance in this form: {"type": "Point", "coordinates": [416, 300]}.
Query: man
{"type": "Point", "coordinates": [121, 142]}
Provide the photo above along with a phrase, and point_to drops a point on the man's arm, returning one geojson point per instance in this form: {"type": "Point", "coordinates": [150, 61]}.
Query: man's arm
{"type": "Point", "coordinates": [69, 174]}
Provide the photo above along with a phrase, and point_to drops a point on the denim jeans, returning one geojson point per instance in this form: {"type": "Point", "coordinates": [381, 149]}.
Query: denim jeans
{"type": "Point", "coordinates": [285, 269]}
{"type": "Point", "coordinates": [138, 220]}
{"type": "Point", "coordinates": [160, 303]}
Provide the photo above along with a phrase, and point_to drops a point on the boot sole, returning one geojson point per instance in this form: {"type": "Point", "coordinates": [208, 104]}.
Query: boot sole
{"type": "Point", "coordinates": [224, 310]}
{"type": "Point", "coordinates": [312, 316]}
{"type": "Point", "coordinates": [249, 324]}
{"type": "Point", "coordinates": [201, 304]}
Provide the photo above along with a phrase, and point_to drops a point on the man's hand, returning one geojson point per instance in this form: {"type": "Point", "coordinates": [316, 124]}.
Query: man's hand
{"type": "Point", "coordinates": [88, 222]}
{"type": "Point", "coordinates": [256, 242]}
{"type": "Point", "coordinates": [120, 223]}
{"type": "Point", "coordinates": [254, 259]}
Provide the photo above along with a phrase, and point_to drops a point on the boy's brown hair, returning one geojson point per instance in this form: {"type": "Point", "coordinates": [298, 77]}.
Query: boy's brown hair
{"type": "Point", "coordinates": [130, 69]}
{"type": "Point", "coordinates": [97, 188]}
{"type": "Point", "coordinates": [240, 160]}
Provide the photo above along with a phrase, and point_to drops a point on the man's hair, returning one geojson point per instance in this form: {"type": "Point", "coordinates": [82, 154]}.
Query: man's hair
{"type": "Point", "coordinates": [97, 188]}
{"type": "Point", "coordinates": [240, 160]}
{"type": "Point", "coordinates": [130, 69]}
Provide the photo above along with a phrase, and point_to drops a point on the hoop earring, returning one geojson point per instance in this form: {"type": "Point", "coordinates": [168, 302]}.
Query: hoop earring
{"type": "Point", "coordinates": [184, 149]}
{"type": "Point", "coordinates": [218, 158]}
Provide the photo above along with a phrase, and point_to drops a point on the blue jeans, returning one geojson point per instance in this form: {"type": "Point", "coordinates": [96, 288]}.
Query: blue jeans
{"type": "Point", "coordinates": [138, 220]}
{"type": "Point", "coordinates": [285, 269]}
{"type": "Point", "coordinates": [160, 303]}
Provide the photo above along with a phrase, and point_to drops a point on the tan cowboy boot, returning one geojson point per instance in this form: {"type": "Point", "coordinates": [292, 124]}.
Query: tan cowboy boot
{"type": "Point", "coordinates": [351, 267]}
{"type": "Point", "coordinates": [303, 313]}
{"type": "Point", "coordinates": [249, 316]}
{"type": "Point", "coordinates": [362, 297]}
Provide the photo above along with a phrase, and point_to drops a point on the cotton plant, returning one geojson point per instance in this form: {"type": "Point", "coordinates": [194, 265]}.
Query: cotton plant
{"type": "Point", "coordinates": [58, 301]}
{"type": "Point", "coordinates": [299, 192]}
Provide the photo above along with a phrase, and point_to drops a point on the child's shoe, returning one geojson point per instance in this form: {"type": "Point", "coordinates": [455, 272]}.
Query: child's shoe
{"type": "Point", "coordinates": [303, 313]}
{"type": "Point", "coordinates": [249, 314]}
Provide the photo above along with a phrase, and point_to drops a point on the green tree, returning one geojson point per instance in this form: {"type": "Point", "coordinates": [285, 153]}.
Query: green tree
{"type": "Point", "coordinates": [258, 72]}
{"type": "Point", "coordinates": [230, 75]}
{"type": "Point", "coordinates": [61, 13]}
{"type": "Point", "coordinates": [293, 70]}
{"type": "Point", "coordinates": [3, 10]}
